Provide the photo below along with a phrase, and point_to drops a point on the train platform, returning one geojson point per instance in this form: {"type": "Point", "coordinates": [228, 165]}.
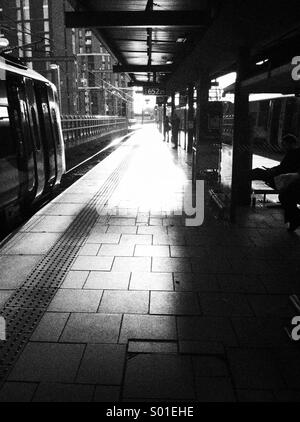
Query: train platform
{"type": "Point", "coordinates": [108, 296]}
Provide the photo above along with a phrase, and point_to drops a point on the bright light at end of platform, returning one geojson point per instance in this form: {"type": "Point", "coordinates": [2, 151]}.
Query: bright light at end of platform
{"type": "Point", "coordinates": [154, 181]}
{"type": "Point", "coordinates": [141, 101]}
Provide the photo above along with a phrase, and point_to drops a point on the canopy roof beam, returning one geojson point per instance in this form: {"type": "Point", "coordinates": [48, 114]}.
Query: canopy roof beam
{"type": "Point", "coordinates": [109, 19]}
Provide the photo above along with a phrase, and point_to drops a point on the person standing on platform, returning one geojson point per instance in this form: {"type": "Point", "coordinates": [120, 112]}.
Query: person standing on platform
{"type": "Point", "coordinates": [167, 129]}
{"type": "Point", "coordinates": [175, 122]}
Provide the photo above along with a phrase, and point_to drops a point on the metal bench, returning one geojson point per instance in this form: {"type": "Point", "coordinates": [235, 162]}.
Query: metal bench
{"type": "Point", "coordinates": [261, 188]}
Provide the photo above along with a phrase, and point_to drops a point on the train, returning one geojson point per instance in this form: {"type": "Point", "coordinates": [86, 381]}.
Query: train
{"type": "Point", "coordinates": [269, 120]}
{"type": "Point", "coordinates": [32, 155]}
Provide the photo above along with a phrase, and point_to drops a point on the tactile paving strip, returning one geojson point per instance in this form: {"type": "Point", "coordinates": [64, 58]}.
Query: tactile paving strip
{"type": "Point", "coordinates": [24, 309]}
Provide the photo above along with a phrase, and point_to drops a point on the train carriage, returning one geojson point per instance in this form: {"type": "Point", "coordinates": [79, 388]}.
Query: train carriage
{"type": "Point", "coordinates": [32, 159]}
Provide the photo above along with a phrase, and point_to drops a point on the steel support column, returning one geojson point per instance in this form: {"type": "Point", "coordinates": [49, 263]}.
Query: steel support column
{"type": "Point", "coordinates": [164, 115]}
{"type": "Point", "coordinates": [190, 117]}
{"type": "Point", "coordinates": [242, 151]}
{"type": "Point", "coordinates": [203, 87]}
{"type": "Point", "coordinates": [172, 104]}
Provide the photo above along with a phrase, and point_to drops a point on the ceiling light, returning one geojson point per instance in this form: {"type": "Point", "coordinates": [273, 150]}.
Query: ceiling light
{"type": "Point", "coordinates": [4, 42]}
{"type": "Point", "coordinates": [262, 62]}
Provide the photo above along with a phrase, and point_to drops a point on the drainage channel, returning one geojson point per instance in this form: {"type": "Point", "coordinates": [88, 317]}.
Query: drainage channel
{"type": "Point", "coordinates": [24, 309]}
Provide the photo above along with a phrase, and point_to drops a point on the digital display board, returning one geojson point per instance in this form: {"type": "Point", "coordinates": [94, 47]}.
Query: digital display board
{"type": "Point", "coordinates": [154, 90]}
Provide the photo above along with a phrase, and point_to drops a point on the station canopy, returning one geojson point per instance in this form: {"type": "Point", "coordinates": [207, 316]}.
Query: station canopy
{"type": "Point", "coordinates": [172, 42]}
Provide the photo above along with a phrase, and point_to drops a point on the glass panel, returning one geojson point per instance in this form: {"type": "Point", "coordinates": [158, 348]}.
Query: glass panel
{"type": "Point", "coordinates": [26, 12]}
{"type": "Point", "coordinates": [45, 9]}
{"type": "Point", "coordinates": [8, 160]}
{"type": "Point", "coordinates": [35, 129]}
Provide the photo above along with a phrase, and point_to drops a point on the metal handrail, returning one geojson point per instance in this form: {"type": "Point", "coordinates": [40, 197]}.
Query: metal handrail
{"type": "Point", "coordinates": [80, 129]}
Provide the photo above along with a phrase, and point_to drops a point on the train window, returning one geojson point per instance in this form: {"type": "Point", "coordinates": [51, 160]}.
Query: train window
{"type": "Point", "coordinates": [35, 129]}
{"type": "Point", "coordinates": [263, 113]}
{"type": "Point", "coordinates": [8, 145]}
{"type": "Point", "coordinates": [8, 156]}
{"type": "Point", "coordinates": [289, 121]}
{"type": "Point", "coordinates": [55, 125]}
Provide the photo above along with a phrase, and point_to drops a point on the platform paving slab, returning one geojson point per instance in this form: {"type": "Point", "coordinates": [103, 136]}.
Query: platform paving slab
{"type": "Point", "coordinates": [75, 300]}
{"type": "Point", "coordinates": [50, 327]}
{"type": "Point", "coordinates": [92, 328]}
{"type": "Point", "coordinates": [253, 396]}
{"type": "Point", "coordinates": [93, 263]}
{"type": "Point", "coordinates": [75, 280]}
{"type": "Point", "coordinates": [224, 304]}
{"type": "Point", "coordinates": [240, 283]}
{"type": "Point", "coordinates": [124, 302]}
{"type": "Point", "coordinates": [174, 303]}
{"type": "Point", "coordinates": [287, 396]}
{"type": "Point", "coordinates": [206, 329]}
{"type": "Point", "coordinates": [215, 389]}
{"type": "Point", "coordinates": [144, 250]}
{"type": "Point", "coordinates": [52, 362]}
{"type": "Point", "coordinates": [151, 281]}
{"type": "Point", "coordinates": [62, 209]}
{"type": "Point", "coordinates": [107, 280]}
{"type": "Point", "coordinates": [52, 224]}
{"type": "Point", "coordinates": [64, 393]}
{"type": "Point", "coordinates": [14, 270]}
{"type": "Point", "coordinates": [131, 264]}
{"type": "Point", "coordinates": [161, 264]}
{"type": "Point", "coordinates": [98, 237]}
{"type": "Point", "coordinates": [136, 239]}
{"type": "Point", "coordinates": [166, 239]}
{"type": "Point", "coordinates": [200, 348]}
{"type": "Point", "coordinates": [116, 221]}
{"type": "Point", "coordinates": [260, 332]}
{"type": "Point", "coordinates": [147, 327]}
{"type": "Point", "coordinates": [17, 391]}
{"type": "Point", "coordinates": [152, 230]}
{"type": "Point", "coordinates": [268, 305]}
{"type": "Point", "coordinates": [122, 229]}
{"type": "Point", "coordinates": [138, 346]}
{"type": "Point", "coordinates": [287, 358]}
{"type": "Point", "coordinates": [255, 369]}
{"type": "Point", "coordinates": [107, 393]}
{"type": "Point", "coordinates": [163, 376]}
{"type": "Point", "coordinates": [33, 244]}
{"type": "Point", "coordinates": [90, 249]}
{"type": "Point", "coordinates": [102, 364]}
{"type": "Point", "coordinates": [195, 282]}
{"type": "Point", "coordinates": [99, 229]}
{"type": "Point", "coordinates": [116, 250]}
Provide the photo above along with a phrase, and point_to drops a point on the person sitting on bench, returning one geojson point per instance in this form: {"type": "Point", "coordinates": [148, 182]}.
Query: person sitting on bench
{"type": "Point", "coordinates": [286, 178]}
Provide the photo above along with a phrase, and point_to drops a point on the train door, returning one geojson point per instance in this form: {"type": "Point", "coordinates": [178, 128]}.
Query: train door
{"type": "Point", "coordinates": [21, 130]}
{"type": "Point", "coordinates": [47, 134]}
{"type": "Point", "coordinates": [9, 174]}
{"type": "Point", "coordinates": [57, 133]}
{"type": "Point", "coordinates": [36, 137]}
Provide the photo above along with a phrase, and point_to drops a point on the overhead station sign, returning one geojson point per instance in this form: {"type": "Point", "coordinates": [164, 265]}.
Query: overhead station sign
{"type": "Point", "coordinates": [157, 90]}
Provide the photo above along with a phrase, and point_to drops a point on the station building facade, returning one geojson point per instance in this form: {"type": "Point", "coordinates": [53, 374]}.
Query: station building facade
{"type": "Point", "coordinates": [73, 59]}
